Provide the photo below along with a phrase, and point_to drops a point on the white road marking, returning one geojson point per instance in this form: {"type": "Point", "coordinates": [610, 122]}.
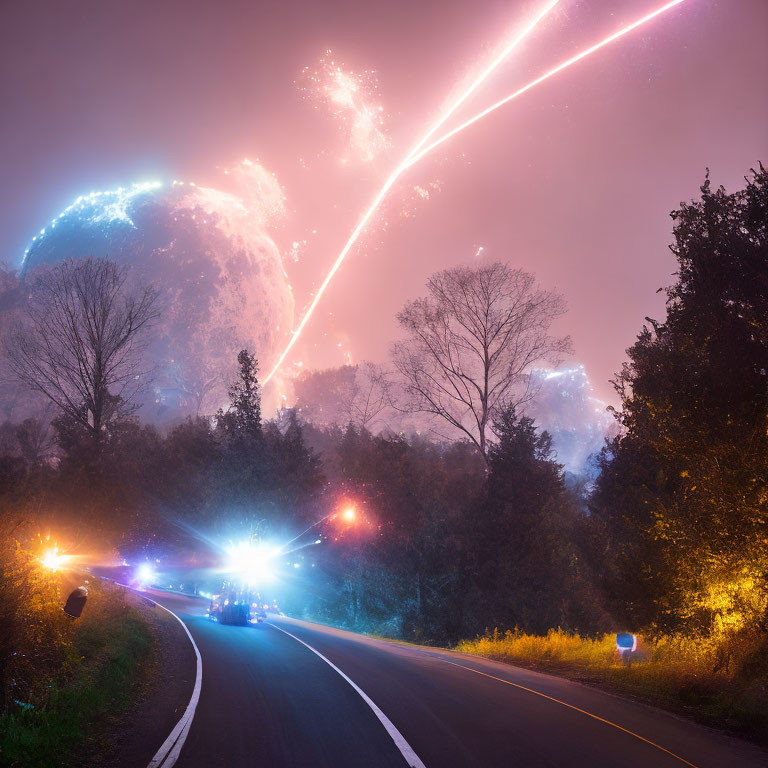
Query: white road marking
{"type": "Point", "coordinates": [168, 754]}
{"type": "Point", "coordinates": [405, 748]}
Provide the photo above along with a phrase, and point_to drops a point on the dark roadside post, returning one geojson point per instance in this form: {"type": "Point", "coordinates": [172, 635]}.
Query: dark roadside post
{"type": "Point", "coordinates": [76, 602]}
{"type": "Point", "coordinates": [626, 644]}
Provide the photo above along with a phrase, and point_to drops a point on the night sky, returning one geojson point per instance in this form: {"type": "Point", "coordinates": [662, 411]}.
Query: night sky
{"type": "Point", "coordinates": [574, 181]}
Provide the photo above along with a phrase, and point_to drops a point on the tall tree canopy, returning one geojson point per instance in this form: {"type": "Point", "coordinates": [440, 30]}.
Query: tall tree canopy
{"type": "Point", "coordinates": [524, 565]}
{"type": "Point", "coordinates": [243, 418]}
{"type": "Point", "coordinates": [684, 490]}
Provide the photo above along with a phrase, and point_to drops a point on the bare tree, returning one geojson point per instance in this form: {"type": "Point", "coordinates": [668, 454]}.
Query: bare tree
{"type": "Point", "coordinates": [81, 339]}
{"type": "Point", "coordinates": [350, 394]}
{"type": "Point", "coordinates": [17, 402]}
{"type": "Point", "coordinates": [370, 395]}
{"type": "Point", "coordinates": [471, 343]}
{"type": "Point", "coordinates": [324, 397]}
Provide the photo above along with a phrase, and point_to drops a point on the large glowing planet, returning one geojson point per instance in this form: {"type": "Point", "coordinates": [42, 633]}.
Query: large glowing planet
{"type": "Point", "coordinates": [221, 277]}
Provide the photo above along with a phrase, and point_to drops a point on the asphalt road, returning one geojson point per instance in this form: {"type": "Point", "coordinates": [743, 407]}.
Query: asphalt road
{"type": "Point", "coordinates": [268, 700]}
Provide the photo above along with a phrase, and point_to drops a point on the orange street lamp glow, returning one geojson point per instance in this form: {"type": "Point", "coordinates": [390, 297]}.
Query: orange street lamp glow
{"type": "Point", "coordinates": [53, 560]}
{"type": "Point", "coordinates": [349, 514]}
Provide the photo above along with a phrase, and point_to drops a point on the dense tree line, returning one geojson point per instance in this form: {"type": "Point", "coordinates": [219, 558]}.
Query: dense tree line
{"type": "Point", "coordinates": [464, 536]}
{"type": "Point", "coordinates": [448, 547]}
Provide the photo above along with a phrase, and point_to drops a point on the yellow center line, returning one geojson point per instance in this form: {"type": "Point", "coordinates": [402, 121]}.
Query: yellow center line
{"type": "Point", "coordinates": [570, 706]}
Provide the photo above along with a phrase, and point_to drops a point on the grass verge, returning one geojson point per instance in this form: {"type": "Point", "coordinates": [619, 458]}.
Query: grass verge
{"type": "Point", "coordinates": [676, 673]}
{"type": "Point", "coordinates": [111, 645]}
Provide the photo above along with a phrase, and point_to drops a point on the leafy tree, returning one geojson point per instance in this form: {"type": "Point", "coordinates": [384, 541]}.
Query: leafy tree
{"type": "Point", "coordinates": [243, 419]}
{"type": "Point", "coordinates": [526, 570]}
{"type": "Point", "coordinates": [34, 440]}
{"type": "Point", "coordinates": [193, 459]}
{"type": "Point", "coordinates": [295, 473]}
{"type": "Point", "coordinates": [683, 493]}
{"type": "Point", "coordinates": [34, 632]}
{"type": "Point", "coordinates": [400, 571]}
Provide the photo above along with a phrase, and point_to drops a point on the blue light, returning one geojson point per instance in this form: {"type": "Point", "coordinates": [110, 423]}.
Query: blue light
{"type": "Point", "coordinates": [105, 207]}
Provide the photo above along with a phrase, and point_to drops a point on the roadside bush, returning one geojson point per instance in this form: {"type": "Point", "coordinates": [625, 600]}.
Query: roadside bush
{"type": "Point", "coordinates": [35, 635]}
{"type": "Point", "coordinates": [556, 645]}
{"type": "Point", "coordinates": [108, 651]}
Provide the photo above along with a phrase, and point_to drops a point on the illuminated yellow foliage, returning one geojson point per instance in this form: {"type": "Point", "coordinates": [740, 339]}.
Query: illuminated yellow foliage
{"type": "Point", "coordinates": [556, 645]}
{"type": "Point", "coordinates": [34, 628]}
{"type": "Point", "coordinates": [733, 602]}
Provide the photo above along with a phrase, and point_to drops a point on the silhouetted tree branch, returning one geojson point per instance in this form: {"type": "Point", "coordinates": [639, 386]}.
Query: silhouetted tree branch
{"type": "Point", "coordinates": [81, 338]}
{"type": "Point", "coordinates": [472, 342]}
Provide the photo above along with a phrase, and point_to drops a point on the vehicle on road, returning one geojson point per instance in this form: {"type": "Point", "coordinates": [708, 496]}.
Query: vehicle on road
{"type": "Point", "coordinates": [236, 605]}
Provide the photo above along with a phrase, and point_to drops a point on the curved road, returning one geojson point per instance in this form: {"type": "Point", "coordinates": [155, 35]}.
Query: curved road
{"type": "Point", "coordinates": [268, 700]}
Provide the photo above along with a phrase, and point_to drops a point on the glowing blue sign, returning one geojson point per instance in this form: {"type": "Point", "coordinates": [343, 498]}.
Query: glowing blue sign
{"type": "Point", "coordinates": [626, 642]}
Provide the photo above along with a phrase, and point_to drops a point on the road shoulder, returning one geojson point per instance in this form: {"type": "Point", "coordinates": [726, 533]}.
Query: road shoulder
{"type": "Point", "coordinates": [638, 714]}
{"type": "Point", "coordinates": [132, 738]}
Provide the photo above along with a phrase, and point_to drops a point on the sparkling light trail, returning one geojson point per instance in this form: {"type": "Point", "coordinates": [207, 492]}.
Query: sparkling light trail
{"type": "Point", "coordinates": [399, 170]}
{"type": "Point", "coordinates": [351, 98]}
{"type": "Point", "coordinates": [559, 68]}
{"type": "Point", "coordinates": [419, 151]}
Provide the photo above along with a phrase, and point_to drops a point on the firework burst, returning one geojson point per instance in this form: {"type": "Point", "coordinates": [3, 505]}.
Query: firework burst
{"type": "Point", "coordinates": [353, 100]}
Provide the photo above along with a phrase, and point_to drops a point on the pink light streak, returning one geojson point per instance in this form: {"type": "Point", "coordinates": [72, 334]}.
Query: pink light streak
{"type": "Point", "coordinates": [399, 170]}
{"type": "Point", "coordinates": [419, 150]}
{"type": "Point", "coordinates": [552, 72]}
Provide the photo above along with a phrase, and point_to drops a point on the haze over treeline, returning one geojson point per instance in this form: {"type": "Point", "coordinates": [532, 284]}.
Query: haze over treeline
{"type": "Point", "coordinates": [575, 179]}
{"type": "Point", "coordinates": [457, 536]}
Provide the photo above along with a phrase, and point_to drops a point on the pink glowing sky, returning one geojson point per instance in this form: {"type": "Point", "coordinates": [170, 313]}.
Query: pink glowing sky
{"type": "Point", "coordinates": [574, 181]}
